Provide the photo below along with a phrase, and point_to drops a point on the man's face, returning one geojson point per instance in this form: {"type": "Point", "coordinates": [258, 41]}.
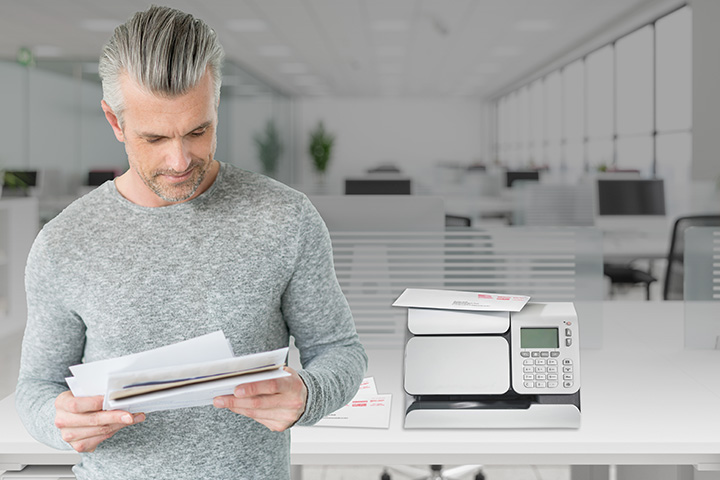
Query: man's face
{"type": "Point", "coordinates": [170, 142]}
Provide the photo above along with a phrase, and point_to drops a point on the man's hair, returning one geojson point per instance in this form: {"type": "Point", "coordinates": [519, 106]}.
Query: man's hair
{"type": "Point", "coordinates": [163, 50]}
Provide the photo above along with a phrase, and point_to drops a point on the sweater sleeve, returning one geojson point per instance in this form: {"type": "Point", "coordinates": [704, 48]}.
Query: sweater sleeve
{"type": "Point", "coordinates": [319, 318]}
{"type": "Point", "coordinates": [54, 340]}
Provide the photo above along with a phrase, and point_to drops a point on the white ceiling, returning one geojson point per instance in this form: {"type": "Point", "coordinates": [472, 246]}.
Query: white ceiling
{"type": "Point", "coordinates": [344, 47]}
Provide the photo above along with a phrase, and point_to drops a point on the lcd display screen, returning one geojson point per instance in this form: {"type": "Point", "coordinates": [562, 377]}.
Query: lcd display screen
{"type": "Point", "coordinates": [539, 338]}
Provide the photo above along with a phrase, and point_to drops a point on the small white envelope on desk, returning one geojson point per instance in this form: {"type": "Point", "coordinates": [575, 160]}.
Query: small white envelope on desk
{"type": "Point", "coordinates": [456, 300]}
{"type": "Point", "coordinates": [185, 374]}
{"type": "Point", "coordinates": [367, 409]}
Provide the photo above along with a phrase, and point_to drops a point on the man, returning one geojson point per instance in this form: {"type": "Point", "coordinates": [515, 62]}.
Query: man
{"type": "Point", "coordinates": [178, 246]}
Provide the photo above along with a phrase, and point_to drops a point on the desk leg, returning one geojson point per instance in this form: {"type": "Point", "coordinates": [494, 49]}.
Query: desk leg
{"type": "Point", "coordinates": [296, 472]}
{"type": "Point", "coordinates": [590, 472]}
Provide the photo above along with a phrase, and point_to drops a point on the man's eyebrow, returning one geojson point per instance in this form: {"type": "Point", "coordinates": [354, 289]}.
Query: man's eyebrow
{"type": "Point", "coordinates": [157, 135]}
{"type": "Point", "coordinates": [202, 126]}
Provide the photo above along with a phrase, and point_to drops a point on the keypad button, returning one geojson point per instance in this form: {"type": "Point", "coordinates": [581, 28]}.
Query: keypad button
{"type": "Point", "coordinates": [568, 332]}
{"type": "Point", "coordinates": [567, 376]}
{"type": "Point", "coordinates": [567, 384]}
{"type": "Point", "coordinates": [567, 369]}
{"type": "Point", "coordinates": [535, 354]}
{"type": "Point", "coordinates": [554, 354]}
{"type": "Point", "coordinates": [567, 361]}
{"type": "Point", "coordinates": [541, 376]}
{"type": "Point", "coordinates": [552, 369]}
{"type": "Point", "coordinates": [528, 376]}
{"type": "Point", "coordinates": [528, 361]}
{"type": "Point", "coordinates": [524, 354]}
{"type": "Point", "coordinates": [540, 384]}
{"type": "Point", "coordinates": [540, 361]}
{"type": "Point", "coordinates": [552, 361]}
{"type": "Point", "coordinates": [544, 354]}
{"type": "Point", "coordinates": [528, 369]}
{"type": "Point", "coordinates": [552, 384]}
{"type": "Point", "coordinates": [568, 342]}
{"type": "Point", "coordinates": [529, 384]}
{"type": "Point", "coordinates": [552, 376]}
{"type": "Point", "coordinates": [540, 369]}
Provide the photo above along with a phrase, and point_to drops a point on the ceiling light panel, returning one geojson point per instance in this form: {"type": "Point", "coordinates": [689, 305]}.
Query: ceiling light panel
{"type": "Point", "coordinates": [296, 25]}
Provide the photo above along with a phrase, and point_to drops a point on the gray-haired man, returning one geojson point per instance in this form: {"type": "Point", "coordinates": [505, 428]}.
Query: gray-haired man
{"type": "Point", "coordinates": [178, 246]}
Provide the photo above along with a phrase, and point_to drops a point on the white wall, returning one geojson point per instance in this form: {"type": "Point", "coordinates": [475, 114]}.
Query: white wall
{"type": "Point", "coordinates": [413, 133]}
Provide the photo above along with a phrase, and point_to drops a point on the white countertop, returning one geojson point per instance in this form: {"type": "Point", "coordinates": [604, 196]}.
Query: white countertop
{"type": "Point", "coordinates": [644, 400]}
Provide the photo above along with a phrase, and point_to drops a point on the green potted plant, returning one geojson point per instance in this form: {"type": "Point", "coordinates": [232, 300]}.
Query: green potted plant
{"type": "Point", "coordinates": [269, 148]}
{"type": "Point", "coordinates": [320, 149]}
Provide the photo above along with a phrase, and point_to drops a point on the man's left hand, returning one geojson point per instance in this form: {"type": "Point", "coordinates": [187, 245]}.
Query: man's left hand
{"type": "Point", "coordinates": [276, 403]}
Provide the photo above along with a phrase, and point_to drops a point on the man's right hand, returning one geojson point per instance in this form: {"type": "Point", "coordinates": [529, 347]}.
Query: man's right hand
{"type": "Point", "coordinates": [84, 424]}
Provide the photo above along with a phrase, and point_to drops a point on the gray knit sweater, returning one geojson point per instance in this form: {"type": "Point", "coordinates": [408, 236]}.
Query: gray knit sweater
{"type": "Point", "coordinates": [250, 257]}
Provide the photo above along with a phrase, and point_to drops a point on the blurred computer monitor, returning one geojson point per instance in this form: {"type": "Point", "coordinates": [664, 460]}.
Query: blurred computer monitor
{"type": "Point", "coordinates": [381, 213]}
{"type": "Point", "coordinates": [631, 196]}
{"type": "Point", "coordinates": [512, 176]}
{"type": "Point", "coordinates": [98, 177]}
{"type": "Point", "coordinates": [20, 178]}
{"type": "Point", "coordinates": [19, 183]}
{"type": "Point", "coordinates": [377, 186]}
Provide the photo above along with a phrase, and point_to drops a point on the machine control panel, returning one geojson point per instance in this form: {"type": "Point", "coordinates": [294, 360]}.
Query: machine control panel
{"type": "Point", "coordinates": [545, 353]}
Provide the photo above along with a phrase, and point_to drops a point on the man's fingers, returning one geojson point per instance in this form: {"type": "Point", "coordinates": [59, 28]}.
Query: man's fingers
{"type": "Point", "coordinates": [74, 435]}
{"type": "Point", "coordinates": [263, 387]}
{"type": "Point", "coordinates": [70, 403]}
{"type": "Point", "coordinates": [89, 444]}
{"type": "Point", "coordinates": [97, 419]}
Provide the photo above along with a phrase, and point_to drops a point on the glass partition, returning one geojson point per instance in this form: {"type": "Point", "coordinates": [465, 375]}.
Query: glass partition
{"type": "Point", "coordinates": [548, 264]}
{"type": "Point", "coordinates": [702, 287]}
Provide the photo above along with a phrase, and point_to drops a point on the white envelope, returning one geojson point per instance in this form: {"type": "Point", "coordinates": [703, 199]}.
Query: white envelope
{"type": "Point", "coordinates": [368, 412]}
{"type": "Point", "coordinates": [456, 300]}
{"type": "Point", "coordinates": [90, 379]}
{"type": "Point", "coordinates": [184, 374]}
{"type": "Point", "coordinates": [189, 385]}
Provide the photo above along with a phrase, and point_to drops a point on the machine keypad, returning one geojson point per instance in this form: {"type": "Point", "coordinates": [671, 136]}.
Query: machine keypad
{"type": "Point", "coordinates": [541, 370]}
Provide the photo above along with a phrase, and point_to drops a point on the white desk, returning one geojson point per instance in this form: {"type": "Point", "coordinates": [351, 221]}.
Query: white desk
{"type": "Point", "coordinates": [645, 401]}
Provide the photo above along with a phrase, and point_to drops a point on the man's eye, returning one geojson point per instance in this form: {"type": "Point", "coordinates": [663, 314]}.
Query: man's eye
{"type": "Point", "coordinates": [198, 134]}
{"type": "Point", "coordinates": [153, 139]}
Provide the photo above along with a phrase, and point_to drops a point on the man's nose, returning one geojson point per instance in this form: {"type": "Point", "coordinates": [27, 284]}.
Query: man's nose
{"type": "Point", "coordinates": [178, 158]}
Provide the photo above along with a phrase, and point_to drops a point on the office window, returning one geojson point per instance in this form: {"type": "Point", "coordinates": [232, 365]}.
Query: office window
{"type": "Point", "coordinates": [635, 153]}
{"type": "Point", "coordinates": [626, 105]}
{"type": "Point", "coordinates": [523, 111]}
{"type": "Point", "coordinates": [674, 71]}
{"type": "Point", "coordinates": [600, 71]}
{"type": "Point", "coordinates": [674, 152]}
{"type": "Point", "coordinates": [574, 115]}
{"type": "Point", "coordinates": [634, 80]}
{"type": "Point", "coordinates": [537, 123]}
{"type": "Point", "coordinates": [554, 99]}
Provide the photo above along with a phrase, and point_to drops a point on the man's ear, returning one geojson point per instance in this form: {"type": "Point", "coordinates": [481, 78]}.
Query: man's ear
{"type": "Point", "coordinates": [113, 121]}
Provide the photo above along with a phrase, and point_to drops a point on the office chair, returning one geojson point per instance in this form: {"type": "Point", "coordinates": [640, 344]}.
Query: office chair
{"type": "Point", "coordinates": [673, 287]}
{"type": "Point", "coordinates": [626, 274]}
{"type": "Point", "coordinates": [436, 472]}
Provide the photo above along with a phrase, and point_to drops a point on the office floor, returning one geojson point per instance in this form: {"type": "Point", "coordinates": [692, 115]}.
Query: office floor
{"type": "Point", "coordinates": [10, 360]}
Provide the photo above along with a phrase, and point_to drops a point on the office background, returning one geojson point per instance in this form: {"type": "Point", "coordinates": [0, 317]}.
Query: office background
{"type": "Point", "coordinates": [569, 88]}
{"type": "Point", "coordinates": [634, 90]}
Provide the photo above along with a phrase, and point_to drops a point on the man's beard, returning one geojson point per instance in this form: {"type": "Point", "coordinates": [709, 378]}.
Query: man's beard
{"type": "Point", "coordinates": [177, 192]}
